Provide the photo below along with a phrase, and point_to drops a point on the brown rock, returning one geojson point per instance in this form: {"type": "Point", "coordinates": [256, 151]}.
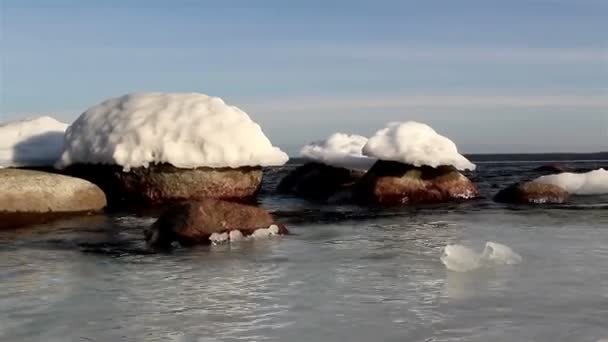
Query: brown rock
{"type": "Point", "coordinates": [532, 192]}
{"type": "Point", "coordinates": [192, 223]}
{"type": "Point", "coordinates": [28, 194]}
{"type": "Point", "coordinates": [318, 181]}
{"type": "Point", "coordinates": [162, 182]}
{"type": "Point", "coordinates": [389, 182]}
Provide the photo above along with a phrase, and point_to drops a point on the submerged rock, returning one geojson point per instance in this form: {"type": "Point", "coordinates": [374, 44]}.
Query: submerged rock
{"type": "Point", "coordinates": [194, 222]}
{"type": "Point", "coordinates": [159, 183]}
{"type": "Point", "coordinates": [26, 194]}
{"type": "Point", "coordinates": [553, 168]}
{"type": "Point", "coordinates": [389, 182]}
{"type": "Point", "coordinates": [533, 193]}
{"type": "Point", "coordinates": [318, 181]}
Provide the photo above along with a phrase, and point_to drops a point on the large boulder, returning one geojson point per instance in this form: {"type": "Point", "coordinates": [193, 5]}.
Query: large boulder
{"type": "Point", "coordinates": [160, 183]}
{"type": "Point", "coordinates": [318, 181]}
{"type": "Point", "coordinates": [532, 193]}
{"type": "Point", "coordinates": [389, 182]}
{"type": "Point", "coordinates": [28, 194]}
{"type": "Point", "coordinates": [194, 222]}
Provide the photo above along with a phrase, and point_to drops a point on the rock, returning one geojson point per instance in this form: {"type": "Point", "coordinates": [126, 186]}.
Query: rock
{"type": "Point", "coordinates": [27, 195]}
{"type": "Point", "coordinates": [389, 182]}
{"type": "Point", "coordinates": [160, 183]}
{"type": "Point", "coordinates": [191, 223]}
{"type": "Point", "coordinates": [553, 168]}
{"type": "Point", "coordinates": [532, 192]}
{"type": "Point", "coordinates": [318, 181]}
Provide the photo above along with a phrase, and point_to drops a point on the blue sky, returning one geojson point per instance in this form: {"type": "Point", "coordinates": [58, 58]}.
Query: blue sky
{"type": "Point", "coordinates": [494, 76]}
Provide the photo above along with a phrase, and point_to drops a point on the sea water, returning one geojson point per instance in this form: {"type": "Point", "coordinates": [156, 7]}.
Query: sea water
{"type": "Point", "coordinates": [474, 271]}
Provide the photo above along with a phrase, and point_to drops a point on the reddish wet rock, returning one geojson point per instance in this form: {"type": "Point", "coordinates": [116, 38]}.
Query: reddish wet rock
{"type": "Point", "coordinates": [193, 222]}
{"type": "Point", "coordinates": [389, 182]}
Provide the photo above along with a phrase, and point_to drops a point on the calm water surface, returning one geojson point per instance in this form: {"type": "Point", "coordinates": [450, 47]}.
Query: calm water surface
{"type": "Point", "coordinates": [346, 274]}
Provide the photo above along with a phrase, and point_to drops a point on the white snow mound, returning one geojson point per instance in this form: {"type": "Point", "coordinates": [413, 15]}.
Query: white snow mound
{"type": "Point", "coordinates": [339, 150]}
{"type": "Point", "coordinates": [186, 130]}
{"type": "Point", "coordinates": [460, 258]}
{"type": "Point", "coordinates": [31, 142]}
{"type": "Point", "coordinates": [590, 183]}
{"type": "Point", "coordinates": [416, 144]}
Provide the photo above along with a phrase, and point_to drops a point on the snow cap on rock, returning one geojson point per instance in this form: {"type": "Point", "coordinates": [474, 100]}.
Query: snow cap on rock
{"type": "Point", "coordinates": [31, 142]}
{"type": "Point", "coordinates": [589, 183]}
{"type": "Point", "coordinates": [186, 130]}
{"type": "Point", "coordinates": [417, 144]}
{"type": "Point", "coordinates": [339, 150]}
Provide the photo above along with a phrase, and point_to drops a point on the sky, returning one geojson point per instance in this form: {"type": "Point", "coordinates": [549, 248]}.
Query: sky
{"type": "Point", "coordinates": [495, 76]}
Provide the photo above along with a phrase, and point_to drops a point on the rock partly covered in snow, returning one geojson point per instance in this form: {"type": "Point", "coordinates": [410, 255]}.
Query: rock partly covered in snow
{"type": "Point", "coordinates": [26, 193]}
{"type": "Point", "coordinates": [590, 183]}
{"type": "Point", "coordinates": [532, 193]}
{"type": "Point", "coordinates": [186, 130]}
{"type": "Point", "coordinates": [196, 222]}
{"type": "Point", "coordinates": [390, 182]}
{"type": "Point", "coordinates": [316, 181]}
{"type": "Point", "coordinates": [339, 150]}
{"type": "Point", "coordinates": [31, 142]}
{"type": "Point", "coordinates": [415, 144]}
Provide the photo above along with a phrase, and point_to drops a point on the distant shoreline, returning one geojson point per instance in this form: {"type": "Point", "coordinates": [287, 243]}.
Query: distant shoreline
{"type": "Point", "coordinates": [524, 157]}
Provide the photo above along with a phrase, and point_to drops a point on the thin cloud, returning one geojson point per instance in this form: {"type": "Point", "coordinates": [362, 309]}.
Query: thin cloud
{"type": "Point", "coordinates": [369, 101]}
{"type": "Point", "coordinates": [483, 54]}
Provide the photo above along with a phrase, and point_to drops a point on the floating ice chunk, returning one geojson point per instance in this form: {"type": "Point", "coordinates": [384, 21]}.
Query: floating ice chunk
{"type": "Point", "coordinates": [339, 150]}
{"type": "Point", "coordinates": [236, 235]}
{"type": "Point", "coordinates": [416, 144]}
{"type": "Point", "coordinates": [261, 233]}
{"type": "Point", "coordinates": [590, 183]}
{"type": "Point", "coordinates": [31, 142]}
{"type": "Point", "coordinates": [460, 258]}
{"type": "Point", "coordinates": [217, 238]}
{"type": "Point", "coordinates": [500, 254]}
{"type": "Point", "coordinates": [186, 130]}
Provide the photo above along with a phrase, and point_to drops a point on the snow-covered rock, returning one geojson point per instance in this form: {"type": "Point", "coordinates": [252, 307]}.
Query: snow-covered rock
{"type": "Point", "coordinates": [186, 130]}
{"type": "Point", "coordinates": [416, 144]}
{"type": "Point", "coordinates": [590, 183]}
{"type": "Point", "coordinates": [339, 150]}
{"type": "Point", "coordinates": [31, 142]}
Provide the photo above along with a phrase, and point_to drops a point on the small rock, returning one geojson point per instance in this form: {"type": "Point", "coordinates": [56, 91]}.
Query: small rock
{"type": "Point", "coordinates": [196, 222]}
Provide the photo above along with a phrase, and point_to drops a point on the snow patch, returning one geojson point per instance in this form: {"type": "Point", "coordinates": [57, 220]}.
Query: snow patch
{"type": "Point", "coordinates": [186, 130]}
{"type": "Point", "coordinates": [460, 258]}
{"type": "Point", "coordinates": [217, 238]}
{"type": "Point", "coordinates": [339, 150]}
{"type": "Point", "coordinates": [263, 233]}
{"type": "Point", "coordinates": [590, 183]}
{"type": "Point", "coordinates": [31, 142]}
{"type": "Point", "coordinates": [416, 144]}
{"type": "Point", "coordinates": [236, 235]}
